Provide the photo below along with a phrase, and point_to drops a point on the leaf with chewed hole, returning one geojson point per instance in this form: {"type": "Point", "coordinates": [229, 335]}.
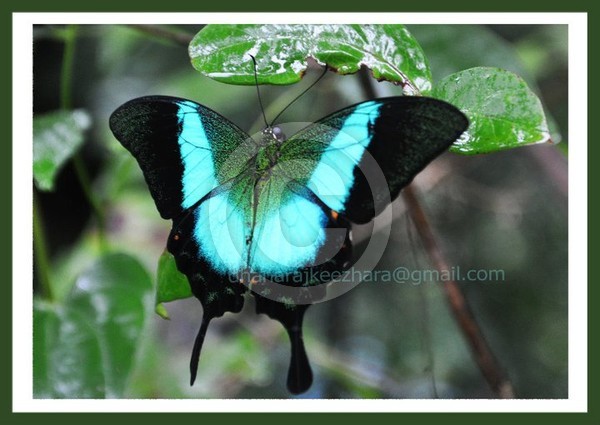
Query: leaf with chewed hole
{"type": "Point", "coordinates": [222, 52]}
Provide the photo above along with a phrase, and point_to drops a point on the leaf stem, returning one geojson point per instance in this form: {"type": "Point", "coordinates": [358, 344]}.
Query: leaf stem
{"type": "Point", "coordinates": [86, 186]}
{"type": "Point", "coordinates": [42, 263]}
{"type": "Point", "coordinates": [66, 103]}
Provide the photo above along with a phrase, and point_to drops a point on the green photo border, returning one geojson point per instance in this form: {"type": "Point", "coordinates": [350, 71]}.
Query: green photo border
{"type": "Point", "coordinates": [8, 7]}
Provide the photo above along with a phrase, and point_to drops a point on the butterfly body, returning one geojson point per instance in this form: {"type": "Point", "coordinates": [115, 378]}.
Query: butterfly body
{"type": "Point", "coordinates": [272, 212]}
{"type": "Point", "coordinates": [267, 157]}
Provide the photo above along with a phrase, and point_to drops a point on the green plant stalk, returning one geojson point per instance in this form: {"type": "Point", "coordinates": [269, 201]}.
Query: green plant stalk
{"type": "Point", "coordinates": [66, 103]}
{"type": "Point", "coordinates": [67, 67]}
{"type": "Point", "coordinates": [86, 186]}
{"type": "Point", "coordinates": [41, 261]}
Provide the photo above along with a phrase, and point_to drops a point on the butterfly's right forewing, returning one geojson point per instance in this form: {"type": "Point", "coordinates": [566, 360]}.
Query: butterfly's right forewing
{"type": "Point", "coordinates": [396, 137]}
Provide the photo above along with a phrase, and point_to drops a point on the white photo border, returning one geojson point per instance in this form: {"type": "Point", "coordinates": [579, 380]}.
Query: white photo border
{"type": "Point", "coordinates": [22, 343]}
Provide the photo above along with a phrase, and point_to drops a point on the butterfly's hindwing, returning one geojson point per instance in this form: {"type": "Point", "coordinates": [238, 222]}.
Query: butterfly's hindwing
{"type": "Point", "coordinates": [217, 292]}
{"type": "Point", "coordinates": [278, 231]}
{"type": "Point", "coordinates": [271, 227]}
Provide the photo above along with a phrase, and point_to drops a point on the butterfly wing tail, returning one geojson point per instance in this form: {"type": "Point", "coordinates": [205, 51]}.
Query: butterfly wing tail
{"type": "Point", "coordinates": [198, 348]}
{"type": "Point", "coordinates": [300, 374]}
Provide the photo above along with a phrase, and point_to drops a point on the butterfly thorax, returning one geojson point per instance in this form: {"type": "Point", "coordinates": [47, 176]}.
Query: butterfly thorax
{"type": "Point", "coordinates": [269, 151]}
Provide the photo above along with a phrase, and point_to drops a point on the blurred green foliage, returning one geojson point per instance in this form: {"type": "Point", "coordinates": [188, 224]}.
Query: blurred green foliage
{"type": "Point", "coordinates": [501, 211]}
{"type": "Point", "coordinates": [85, 346]}
{"type": "Point", "coordinates": [56, 136]}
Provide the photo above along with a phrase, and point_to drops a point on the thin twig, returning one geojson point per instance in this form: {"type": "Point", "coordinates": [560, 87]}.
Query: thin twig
{"type": "Point", "coordinates": [426, 339]}
{"type": "Point", "coordinates": [86, 186]}
{"type": "Point", "coordinates": [482, 352]}
{"type": "Point", "coordinates": [365, 82]}
{"type": "Point", "coordinates": [423, 317]}
{"type": "Point", "coordinates": [164, 32]}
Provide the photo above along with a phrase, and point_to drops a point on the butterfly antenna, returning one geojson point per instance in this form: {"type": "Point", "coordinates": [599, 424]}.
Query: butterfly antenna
{"type": "Point", "coordinates": [258, 92]}
{"type": "Point", "coordinates": [301, 94]}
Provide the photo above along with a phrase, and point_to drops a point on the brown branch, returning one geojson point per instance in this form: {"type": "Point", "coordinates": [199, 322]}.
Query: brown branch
{"type": "Point", "coordinates": [488, 365]}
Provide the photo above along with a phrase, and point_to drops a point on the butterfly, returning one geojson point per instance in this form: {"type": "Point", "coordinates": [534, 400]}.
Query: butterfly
{"type": "Point", "coordinates": [270, 212]}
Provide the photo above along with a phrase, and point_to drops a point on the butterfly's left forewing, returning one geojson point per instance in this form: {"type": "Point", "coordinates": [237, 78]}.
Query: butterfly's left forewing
{"type": "Point", "coordinates": [192, 158]}
{"type": "Point", "coordinates": [184, 149]}
{"type": "Point", "coordinates": [399, 136]}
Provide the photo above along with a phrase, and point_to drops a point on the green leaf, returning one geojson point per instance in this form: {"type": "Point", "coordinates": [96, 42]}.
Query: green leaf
{"type": "Point", "coordinates": [56, 137]}
{"type": "Point", "coordinates": [85, 348]}
{"type": "Point", "coordinates": [222, 52]}
{"type": "Point", "coordinates": [172, 284]}
{"type": "Point", "coordinates": [66, 354]}
{"type": "Point", "coordinates": [503, 112]}
{"type": "Point", "coordinates": [453, 48]}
